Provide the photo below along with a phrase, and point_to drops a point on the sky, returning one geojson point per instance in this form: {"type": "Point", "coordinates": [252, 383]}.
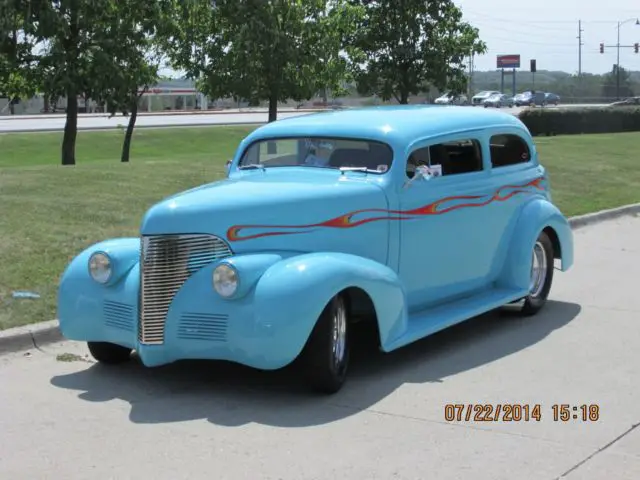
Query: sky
{"type": "Point", "coordinates": [547, 30]}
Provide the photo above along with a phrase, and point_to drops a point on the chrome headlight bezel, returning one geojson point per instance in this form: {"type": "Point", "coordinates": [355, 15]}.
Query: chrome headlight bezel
{"type": "Point", "coordinates": [226, 280]}
{"type": "Point", "coordinates": [100, 266]}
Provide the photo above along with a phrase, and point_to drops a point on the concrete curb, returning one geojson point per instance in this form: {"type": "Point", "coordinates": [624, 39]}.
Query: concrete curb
{"type": "Point", "coordinates": [38, 334]}
{"type": "Point", "coordinates": [602, 215]}
{"type": "Point", "coordinates": [29, 336]}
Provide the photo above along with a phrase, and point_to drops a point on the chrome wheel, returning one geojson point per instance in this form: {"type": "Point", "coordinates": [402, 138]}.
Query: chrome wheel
{"type": "Point", "coordinates": [339, 343]}
{"type": "Point", "coordinates": [538, 270]}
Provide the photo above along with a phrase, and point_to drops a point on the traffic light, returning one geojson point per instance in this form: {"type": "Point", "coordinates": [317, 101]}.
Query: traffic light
{"type": "Point", "coordinates": [602, 48]}
{"type": "Point", "coordinates": [635, 47]}
{"type": "Point", "coordinates": [533, 65]}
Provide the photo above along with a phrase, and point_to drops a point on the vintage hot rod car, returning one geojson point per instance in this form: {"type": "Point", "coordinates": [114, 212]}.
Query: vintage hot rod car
{"type": "Point", "coordinates": [414, 218]}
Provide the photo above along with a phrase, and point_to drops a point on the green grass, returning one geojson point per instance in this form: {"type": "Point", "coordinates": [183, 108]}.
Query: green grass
{"type": "Point", "coordinates": [50, 213]}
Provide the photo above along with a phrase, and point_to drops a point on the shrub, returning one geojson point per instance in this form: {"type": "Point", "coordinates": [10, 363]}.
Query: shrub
{"type": "Point", "coordinates": [571, 121]}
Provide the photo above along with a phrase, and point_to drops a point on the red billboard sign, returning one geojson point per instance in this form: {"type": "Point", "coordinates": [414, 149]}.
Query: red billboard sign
{"type": "Point", "coordinates": [508, 61]}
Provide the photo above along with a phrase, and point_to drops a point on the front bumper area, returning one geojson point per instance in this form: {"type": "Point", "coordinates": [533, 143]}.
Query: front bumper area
{"type": "Point", "coordinates": [199, 323]}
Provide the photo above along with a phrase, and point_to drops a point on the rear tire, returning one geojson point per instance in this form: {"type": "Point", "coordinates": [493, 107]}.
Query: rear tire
{"type": "Point", "coordinates": [541, 276]}
{"type": "Point", "coordinates": [326, 354]}
{"type": "Point", "coordinates": [109, 353]}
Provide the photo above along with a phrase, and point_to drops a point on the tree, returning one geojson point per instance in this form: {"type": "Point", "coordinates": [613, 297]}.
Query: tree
{"type": "Point", "coordinates": [403, 46]}
{"type": "Point", "coordinates": [17, 67]}
{"type": "Point", "coordinates": [130, 52]}
{"type": "Point", "coordinates": [263, 50]}
{"type": "Point", "coordinates": [617, 84]}
{"type": "Point", "coordinates": [70, 36]}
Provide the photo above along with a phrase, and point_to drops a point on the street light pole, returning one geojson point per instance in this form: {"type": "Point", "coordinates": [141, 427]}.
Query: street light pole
{"type": "Point", "coordinates": [637, 20]}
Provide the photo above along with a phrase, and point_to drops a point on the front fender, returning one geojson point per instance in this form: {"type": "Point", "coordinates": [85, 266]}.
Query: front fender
{"type": "Point", "coordinates": [291, 294]}
{"type": "Point", "coordinates": [536, 215]}
{"type": "Point", "coordinates": [123, 252]}
{"type": "Point", "coordinates": [82, 301]}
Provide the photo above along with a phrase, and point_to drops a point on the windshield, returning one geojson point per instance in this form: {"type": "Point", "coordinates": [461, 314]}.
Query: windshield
{"type": "Point", "coordinates": [318, 152]}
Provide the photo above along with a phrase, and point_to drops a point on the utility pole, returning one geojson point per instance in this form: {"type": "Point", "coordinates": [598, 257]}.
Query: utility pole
{"type": "Point", "coordinates": [618, 65]}
{"type": "Point", "coordinates": [580, 44]}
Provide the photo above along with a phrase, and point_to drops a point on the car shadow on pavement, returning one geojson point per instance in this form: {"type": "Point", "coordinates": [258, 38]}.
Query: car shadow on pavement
{"type": "Point", "coordinates": [231, 395]}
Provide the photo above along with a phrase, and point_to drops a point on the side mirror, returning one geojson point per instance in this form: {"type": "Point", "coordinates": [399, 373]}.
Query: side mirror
{"type": "Point", "coordinates": [424, 172]}
{"type": "Point", "coordinates": [228, 166]}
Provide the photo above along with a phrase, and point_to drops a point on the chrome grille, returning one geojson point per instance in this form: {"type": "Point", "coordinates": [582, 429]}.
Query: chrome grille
{"type": "Point", "coordinates": [166, 262]}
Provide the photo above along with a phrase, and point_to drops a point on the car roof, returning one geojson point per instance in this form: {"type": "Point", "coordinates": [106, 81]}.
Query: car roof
{"type": "Point", "coordinates": [404, 123]}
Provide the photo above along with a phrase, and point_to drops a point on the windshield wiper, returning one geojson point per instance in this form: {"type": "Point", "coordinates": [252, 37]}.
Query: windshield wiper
{"type": "Point", "coordinates": [356, 169]}
{"type": "Point", "coordinates": [252, 166]}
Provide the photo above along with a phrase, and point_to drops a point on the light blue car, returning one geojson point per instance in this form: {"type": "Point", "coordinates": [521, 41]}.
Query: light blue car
{"type": "Point", "coordinates": [420, 218]}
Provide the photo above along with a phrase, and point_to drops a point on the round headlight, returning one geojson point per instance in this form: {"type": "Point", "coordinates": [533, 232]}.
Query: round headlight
{"type": "Point", "coordinates": [225, 280]}
{"type": "Point", "coordinates": [100, 267]}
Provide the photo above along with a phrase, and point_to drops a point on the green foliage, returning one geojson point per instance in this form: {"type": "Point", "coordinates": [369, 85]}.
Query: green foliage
{"type": "Point", "coordinates": [402, 46]}
{"type": "Point", "coordinates": [256, 50]}
{"type": "Point", "coordinates": [17, 67]}
{"type": "Point", "coordinates": [569, 121]}
{"type": "Point", "coordinates": [129, 59]}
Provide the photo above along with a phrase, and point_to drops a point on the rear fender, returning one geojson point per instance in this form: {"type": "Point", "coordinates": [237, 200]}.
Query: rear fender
{"type": "Point", "coordinates": [537, 215]}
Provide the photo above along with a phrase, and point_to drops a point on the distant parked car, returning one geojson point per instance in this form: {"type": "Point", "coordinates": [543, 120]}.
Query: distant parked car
{"type": "Point", "coordinates": [530, 99]}
{"type": "Point", "coordinates": [552, 98]}
{"type": "Point", "coordinates": [449, 99]}
{"type": "Point", "coordinates": [498, 101]}
{"type": "Point", "coordinates": [479, 98]}
{"type": "Point", "coordinates": [627, 102]}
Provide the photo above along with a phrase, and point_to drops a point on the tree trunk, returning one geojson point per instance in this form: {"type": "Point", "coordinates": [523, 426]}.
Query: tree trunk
{"type": "Point", "coordinates": [70, 130]}
{"type": "Point", "coordinates": [273, 108]}
{"type": "Point", "coordinates": [46, 104]}
{"type": "Point", "coordinates": [126, 145]}
{"type": "Point", "coordinates": [273, 116]}
{"type": "Point", "coordinates": [404, 97]}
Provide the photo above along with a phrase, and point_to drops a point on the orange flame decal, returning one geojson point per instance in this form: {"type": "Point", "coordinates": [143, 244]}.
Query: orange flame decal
{"type": "Point", "coordinates": [346, 221]}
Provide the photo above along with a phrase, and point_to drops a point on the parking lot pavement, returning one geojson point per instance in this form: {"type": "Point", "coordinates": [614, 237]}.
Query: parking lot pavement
{"type": "Point", "coordinates": [64, 417]}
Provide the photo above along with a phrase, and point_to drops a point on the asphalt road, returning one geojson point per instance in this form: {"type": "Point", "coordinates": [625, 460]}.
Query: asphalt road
{"type": "Point", "coordinates": [44, 123]}
{"type": "Point", "coordinates": [76, 420]}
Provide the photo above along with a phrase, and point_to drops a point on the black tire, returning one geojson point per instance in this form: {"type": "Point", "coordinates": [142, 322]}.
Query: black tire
{"type": "Point", "coordinates": [537, 299]}
{"type": "Point", "coordinates": [324, 371]}
{"type": "Point", "coordinates": [109, 353]}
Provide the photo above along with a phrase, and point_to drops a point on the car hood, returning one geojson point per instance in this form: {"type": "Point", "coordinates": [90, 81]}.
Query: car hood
{"type": "Point", "coordinates": [268, 209]}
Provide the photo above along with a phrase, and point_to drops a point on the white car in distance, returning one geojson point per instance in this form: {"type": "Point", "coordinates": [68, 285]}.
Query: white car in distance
{"type": "Point", "coordinates": [480, 97]}
{"type": "Point", "coordinates": [451, 99]}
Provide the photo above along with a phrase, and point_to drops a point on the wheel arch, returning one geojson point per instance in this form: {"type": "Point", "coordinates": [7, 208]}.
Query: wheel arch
{"type": "Point", "coordinates": [539, 215]}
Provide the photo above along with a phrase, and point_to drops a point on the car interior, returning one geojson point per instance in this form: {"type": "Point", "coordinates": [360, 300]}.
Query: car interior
{"type": "Point", "coordinates": [453, 157]}
{"type": "Point", "coordinates": [508, 150]}
{"type": "Point", "coordinates": [377, 157]}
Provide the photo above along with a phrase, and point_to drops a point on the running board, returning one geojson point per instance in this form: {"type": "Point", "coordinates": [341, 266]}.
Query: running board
{"type": "Point", "coordinates": [432, 320]}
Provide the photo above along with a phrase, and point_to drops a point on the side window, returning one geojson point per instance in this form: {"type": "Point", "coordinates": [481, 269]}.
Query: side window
{"type": "Point", "coordinates": [460, 156]}
{"type": "Point", "coordinates": [508, 150]}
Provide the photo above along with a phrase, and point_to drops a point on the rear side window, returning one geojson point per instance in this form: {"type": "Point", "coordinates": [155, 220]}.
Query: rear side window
{"type": "Point", "coordinates": [508, 149]}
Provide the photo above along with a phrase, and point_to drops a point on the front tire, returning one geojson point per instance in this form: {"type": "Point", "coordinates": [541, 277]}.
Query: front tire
{"type": "Point", "coordinates": [326, 355]}
{"type": "Point", "coordinates": [109, 353]}
{"type": "Point", "coordinates": [541, 275]}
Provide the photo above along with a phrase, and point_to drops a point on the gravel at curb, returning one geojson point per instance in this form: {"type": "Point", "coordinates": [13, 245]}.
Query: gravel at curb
{"type": "Point", "coordinates": [38, 334]}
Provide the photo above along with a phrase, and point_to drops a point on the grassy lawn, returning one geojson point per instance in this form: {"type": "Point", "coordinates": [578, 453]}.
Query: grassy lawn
{"type": "Point", "coordinates": [50, 213]}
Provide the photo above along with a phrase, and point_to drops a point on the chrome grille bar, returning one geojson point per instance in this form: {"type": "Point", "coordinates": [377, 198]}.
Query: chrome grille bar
{"type": "Point", "coordinates": [166, 262]}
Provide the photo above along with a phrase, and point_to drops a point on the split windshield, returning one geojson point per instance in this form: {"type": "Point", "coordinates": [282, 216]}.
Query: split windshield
{"type": "Point", "coordinates": [318, 152]}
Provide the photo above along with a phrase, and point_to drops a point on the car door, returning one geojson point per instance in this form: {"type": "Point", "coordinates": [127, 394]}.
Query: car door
{"type": "Point", "coordinates": [446, 243]}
